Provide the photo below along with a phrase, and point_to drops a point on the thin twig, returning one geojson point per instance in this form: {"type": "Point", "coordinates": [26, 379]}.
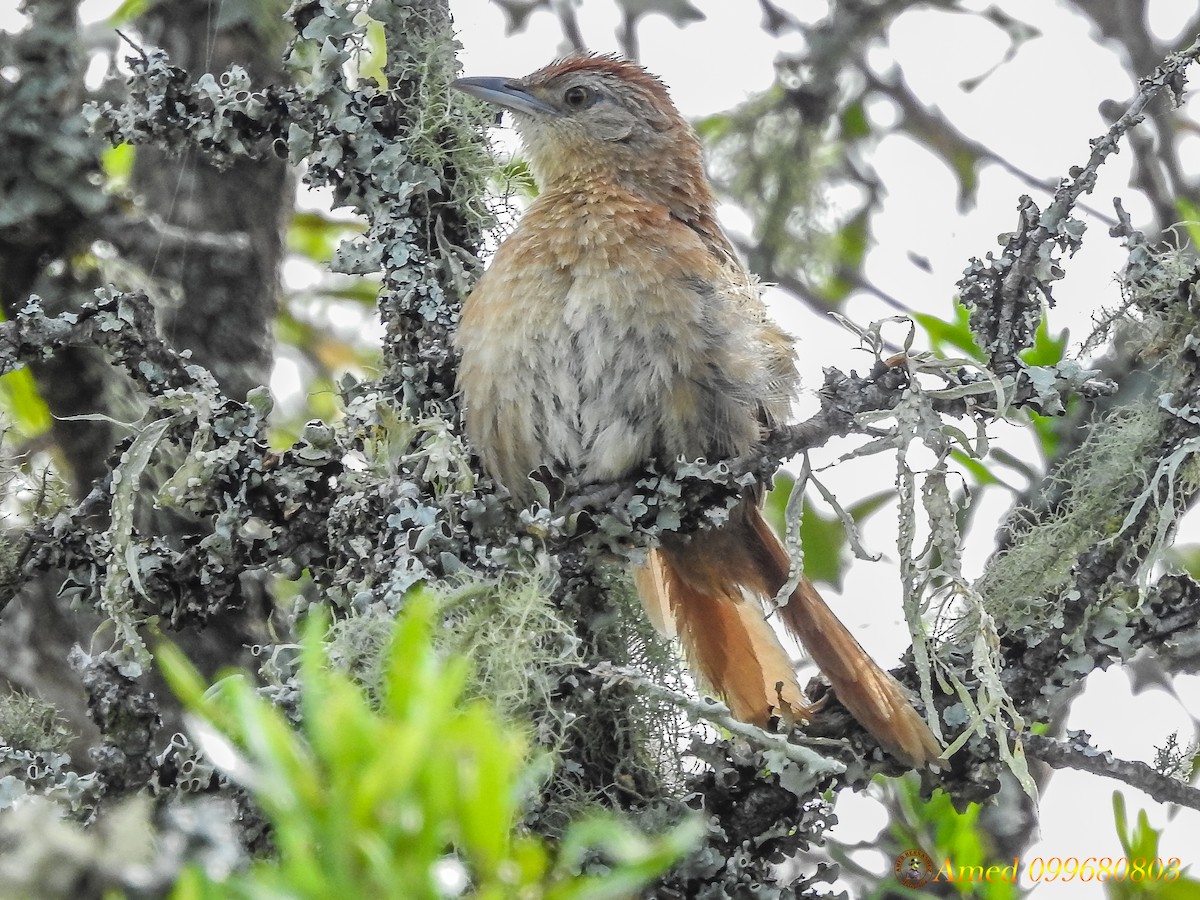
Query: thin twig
{"type": "Point", "coordinates": [813, 763]}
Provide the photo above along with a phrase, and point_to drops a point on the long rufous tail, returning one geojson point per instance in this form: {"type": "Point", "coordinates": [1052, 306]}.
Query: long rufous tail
{"type": "Point", "coordinates": [700, 586]}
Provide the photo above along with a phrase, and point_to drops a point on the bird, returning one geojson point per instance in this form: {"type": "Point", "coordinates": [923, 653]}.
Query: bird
{"type": "Point", "coordinates": [615, 326]}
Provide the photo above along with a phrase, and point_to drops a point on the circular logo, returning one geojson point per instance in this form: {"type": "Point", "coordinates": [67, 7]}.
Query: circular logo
{"type": "Point", "coordinates": [914, 868]}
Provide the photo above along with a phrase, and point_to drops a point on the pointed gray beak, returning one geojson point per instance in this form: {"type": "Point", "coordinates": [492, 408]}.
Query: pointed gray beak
{"type": "Point", "coordinates": [506, 93]}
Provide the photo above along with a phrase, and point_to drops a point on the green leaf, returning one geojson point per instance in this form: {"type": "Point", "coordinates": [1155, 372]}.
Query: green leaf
{"type": "Point", "coordinates": [181, 676]}
{"type": "Point", "coordinates": [854, 124]}
{"type": "Point", "coordinates": [1121, 820]}
{"type": "Point", "coordinates": [953, 333]}
{"type": "Point", "coordinates": [1182, 888]}
{"type": "Point", "coordinates": [515, 177]}
{"type": "Point", "coordinates": [1189, 214]}
{"type": "Point", "coordinates": [316, 235]}
{"type": "Point", "coordinates": [20, 398]}
{"type": "Point", "coordinates": [117, 165]}
{"type": "Point", "coordinates": [371, 63]}
{"type": "Point", "coordinates": [982, 475]}
{"type": "Point", "coordinates": [1048, 436]}
{"type": "Point", "coordinates": [1138, 842]}
{"type": "Point", "coordinates": [1046, 350]}
{"type": "Point", "coordinates": [1187, 557]}
{"type": "Point", "coordinates": [128, 11]}
{"type": "Point", "coordinates": [715, 127]}
{"type": "Point", "coordinates": [372, 792]}
{"type": "Point", "coordinates": [945, 833]}
{"type": "Point", "coordinates": [27, 411]}
{"type": "Point", "coordinates": [775, 503]}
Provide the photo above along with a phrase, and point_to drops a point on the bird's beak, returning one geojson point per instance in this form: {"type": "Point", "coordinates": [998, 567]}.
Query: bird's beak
{"type": "Point", "coordinates": [504, 92]}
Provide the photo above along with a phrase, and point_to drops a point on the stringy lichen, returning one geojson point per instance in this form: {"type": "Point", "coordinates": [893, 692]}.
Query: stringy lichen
{"type": "Point", "coordinates": [1098, 482]}
{"type": "Point", "coordinates": [1095, 489]}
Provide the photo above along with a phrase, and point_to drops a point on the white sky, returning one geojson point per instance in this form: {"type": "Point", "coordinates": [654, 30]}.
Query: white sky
{"type": "Point", "coordinates": [716, 64]}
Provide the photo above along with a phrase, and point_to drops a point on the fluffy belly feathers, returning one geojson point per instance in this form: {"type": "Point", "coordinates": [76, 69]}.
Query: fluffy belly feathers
{"type": "Point", "coordinates": [574, 357]}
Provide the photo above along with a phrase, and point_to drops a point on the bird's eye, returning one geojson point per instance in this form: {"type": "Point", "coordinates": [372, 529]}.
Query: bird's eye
{"type": "Point", "coordinates": [577, 97]}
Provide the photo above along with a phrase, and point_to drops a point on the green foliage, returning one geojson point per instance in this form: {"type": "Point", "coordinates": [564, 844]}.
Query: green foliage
{"type": "Point", "coordinates": [981, 473]}
{"type": "Point", "coordinates": [953, 337]}
{"type": "Point", "coordinates": [1047, 350]}
{"type": "Point", "coordinates": [316, 235]}
{"type": "Point", "coordinates": [1190, 214]}
{"type": "Point", "coordinates": [1186, 557]}
{"type": "Point", "coordinates": [24, 408]}
{"type": "Point", "coordinates": [262, 15]}
{"type": "Point", "coordinates": [373, 57]}
{"type": "Point", "coordinates": [1141, 844]}
{"type": "Point", "coordinates": [517, 641]}
{"type": "Point", "coordinates": [947, 835]}
{"type": "Point", "coordinates": [853, 123]}
{"type": "Point", "coordinates": [950, 334]}
{"type": "Point", "coordinates": [128, 11]}
{"type": "Point", "coordinates": [410, 792]}
{"type": "Point", "coordinates": [117, 165]}
{"type": "Point", "coordinates": [515, 178]}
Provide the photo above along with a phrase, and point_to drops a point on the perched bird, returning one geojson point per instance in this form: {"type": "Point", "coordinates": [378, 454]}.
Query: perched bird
{"type": "Point", "coordinates": [615, 325]}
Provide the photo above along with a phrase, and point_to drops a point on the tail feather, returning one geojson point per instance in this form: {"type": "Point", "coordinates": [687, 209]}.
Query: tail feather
{"type": "Point", "coordinates": [702, 584]}
{"type": "Point", "coordinates": [727, 642]}
{"type": "Point", "coordinates": [873, 697]}
{"type": "Point", "coordinates": [651, 581]}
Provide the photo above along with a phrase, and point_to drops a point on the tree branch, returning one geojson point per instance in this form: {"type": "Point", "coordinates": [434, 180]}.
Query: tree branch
{"type": "Point", "coordinates": [1077, 752]}
{"type": "Point", "coordinates": [121, 324]}
{"type": "Point", "coordinates": [816, 765]}
{"type": "Point", "coordinates": [1004, 295]}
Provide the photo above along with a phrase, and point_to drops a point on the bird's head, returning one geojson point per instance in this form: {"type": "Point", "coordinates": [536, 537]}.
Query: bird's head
{"type": "Point", "coordinates": [589, 116]}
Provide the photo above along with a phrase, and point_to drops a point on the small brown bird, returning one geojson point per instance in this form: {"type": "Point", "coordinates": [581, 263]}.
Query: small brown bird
{"type": "Point", "coordinates": [615, 325]}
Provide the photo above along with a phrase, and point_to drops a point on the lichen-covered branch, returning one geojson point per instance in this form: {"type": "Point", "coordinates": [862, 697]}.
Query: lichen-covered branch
{"type": "Point", "coordinates": [1073, 590]}
{"type": "Point", "coordinates": [121, 324]}
{"type": "Point", "coordinates": [52, 209]}
{"type": "Point", "coordinates": [391, 145]}
{"type": "Point", "coordinates": [1077, 752]}
{"type": "Point", "coordinates": [210, 239]}
{"type": "Point", "coordinates": [1005, 294]}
